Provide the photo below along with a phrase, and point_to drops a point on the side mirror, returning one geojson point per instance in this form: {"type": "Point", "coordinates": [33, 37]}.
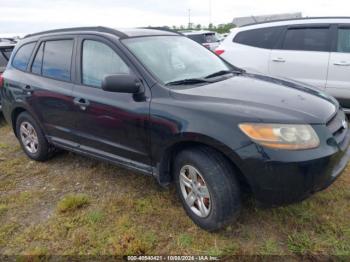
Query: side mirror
{"type": "Point", "coordinates": [121, 83]}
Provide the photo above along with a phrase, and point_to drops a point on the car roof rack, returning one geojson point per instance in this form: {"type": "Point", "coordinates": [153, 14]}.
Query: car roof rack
{"type": "Point", "coordinates": [296, 19]}
{"type": "Point", "coordinates": [73, 29]}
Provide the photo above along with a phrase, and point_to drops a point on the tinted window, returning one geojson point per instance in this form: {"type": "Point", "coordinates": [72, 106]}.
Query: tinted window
{"type": "Point", "coordinates": [22, 56]}
{"type": "Point", "coordinates": [98, 61]}
{"type": "Point", "coordinates": [263, 38]}
{"type": "Point", "coordinates": [57, 59]}
{"type": "Point", "coordinates": [343, 40]}
{"type": "Point", "coordinates": [38, 60]}
{"type": "Point", "coordinates": [197, 38]}
{"type": "Point", "coordinates": [307, 39]}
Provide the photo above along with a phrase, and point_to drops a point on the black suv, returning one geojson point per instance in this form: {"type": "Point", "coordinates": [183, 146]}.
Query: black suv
{"type": "Point", "coordinates": [6, 47]}
{"type": "Point", "coordinates": [157, 102]}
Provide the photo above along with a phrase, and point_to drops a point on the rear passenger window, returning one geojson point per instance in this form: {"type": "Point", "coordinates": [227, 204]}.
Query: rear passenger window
{"type": "Point", "coordinates": [57, 59]}
{"type": "Point", "coordinates": [343, 45]}
{"type": "Point", "coordinates": [22, 56]}
{"type": "Point", "coordinates": [38, 60]}
{"type": "Point", "coordinates": [98, 61]}
{"type": "Point", "coordinates": [307, 39]}
{"type": "Point", "coordinates": [263, 38]}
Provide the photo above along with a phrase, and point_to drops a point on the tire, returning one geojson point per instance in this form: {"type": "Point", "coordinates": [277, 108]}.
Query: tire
{"type": "Point", "coordinates": [42, 151]}
{"type": "Point", "coordinates": [224, 203]}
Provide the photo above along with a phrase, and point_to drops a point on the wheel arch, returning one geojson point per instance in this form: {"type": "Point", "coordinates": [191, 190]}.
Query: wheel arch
{"type": "Point", "coordinates": [164, 166]}
{"type": "Point", "coordinates": [17, 111]}
{"type": "Point", "coordinates": [14, 115]}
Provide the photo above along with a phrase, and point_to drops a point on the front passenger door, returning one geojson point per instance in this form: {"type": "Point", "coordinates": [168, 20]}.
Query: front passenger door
{"type": "Point", "coordinates": [110, 125]}
{"type": "Point", "coordinates": [338, 82]}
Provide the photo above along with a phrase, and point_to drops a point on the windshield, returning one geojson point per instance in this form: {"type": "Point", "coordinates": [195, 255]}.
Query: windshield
{"type": "Point", "coordinates": [174, 58]}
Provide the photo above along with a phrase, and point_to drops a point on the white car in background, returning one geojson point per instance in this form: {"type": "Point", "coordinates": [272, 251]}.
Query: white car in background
{"type": "Point", "coordinates": [209, 39]}
{"type": "Point", "coordinates": [311, 50]}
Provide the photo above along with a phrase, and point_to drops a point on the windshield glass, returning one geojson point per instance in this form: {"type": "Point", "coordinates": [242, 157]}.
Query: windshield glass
{"type": "Point", "coordinates": [174, 58]}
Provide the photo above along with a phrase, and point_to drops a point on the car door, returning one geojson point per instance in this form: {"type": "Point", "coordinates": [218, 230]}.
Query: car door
{"type": "Point", "coordinates": [303, 54]}
{"type": "Point", "coordinates": [338, 82]}
{"type": "Point", "coordinates": [110, 125]}
{"type": "Point", "coordinates": [49, 88]}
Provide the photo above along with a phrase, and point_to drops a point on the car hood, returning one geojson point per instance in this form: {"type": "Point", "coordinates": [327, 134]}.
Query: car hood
{"type": "Point", "coordinates": [263, 98]}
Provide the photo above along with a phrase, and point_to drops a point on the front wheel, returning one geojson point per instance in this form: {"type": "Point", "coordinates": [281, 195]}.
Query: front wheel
{"type": "Point", "coordinates": [207, 187]}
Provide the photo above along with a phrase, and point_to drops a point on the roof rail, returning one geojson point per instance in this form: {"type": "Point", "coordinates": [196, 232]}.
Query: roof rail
{"type": "Point", "coordinates": [166, 29]}
{"type": "Point", "coordinates": [302, 18]}
{"type": "Point", "coordinates": [96, 28]}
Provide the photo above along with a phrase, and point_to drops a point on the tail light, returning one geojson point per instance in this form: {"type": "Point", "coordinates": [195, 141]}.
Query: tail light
{"type": "Point", "coordinates": [219, 51]}
{"type": "Point", "coordinates": [1, 81]}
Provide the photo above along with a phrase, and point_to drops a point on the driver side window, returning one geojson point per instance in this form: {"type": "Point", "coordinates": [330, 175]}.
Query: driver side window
{"type": "Point", "coordinates": [99, 60]}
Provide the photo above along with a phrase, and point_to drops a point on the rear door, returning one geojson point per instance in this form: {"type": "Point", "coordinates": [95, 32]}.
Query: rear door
{"type": "Point", "coordinates": [250, 49]}
{"type": "Point", "coordinates": [338, 82]}
{"type": "Point", "coordinates": [111, 125]}
{"type": "Point", "coordinates": [303, 54]}
{"type": "Point", "coordinates": [49, 88]}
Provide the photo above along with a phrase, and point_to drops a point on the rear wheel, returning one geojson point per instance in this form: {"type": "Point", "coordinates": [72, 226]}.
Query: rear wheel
{"type": "Point", "coordinates": [207, 187]}
{"type": "Point", "coordinates": [31, 138]}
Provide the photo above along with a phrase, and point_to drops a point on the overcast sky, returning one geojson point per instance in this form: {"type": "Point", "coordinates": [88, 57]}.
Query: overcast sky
{"type": "Point", "coordinates": [26, 16]}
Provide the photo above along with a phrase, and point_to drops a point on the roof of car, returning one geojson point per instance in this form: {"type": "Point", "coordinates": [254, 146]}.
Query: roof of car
{"type": "Point", "coordinates": [199, 32]}
{"type": "Point", "coordinates": [122, 33]}
{"type": "Point", "coordinates": [303, 20]}
{"type": "Point", "coordinates": [7, 42]}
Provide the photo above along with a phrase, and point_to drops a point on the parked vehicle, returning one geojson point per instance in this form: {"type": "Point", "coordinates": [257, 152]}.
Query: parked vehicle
{"type": "Point", "coordinates": [156, 102]}
{"type": "Point", "coordinates": [6, 47]}
{"type": "Point", "coordinates": [312, 50]}
{"type": "Point", "coordinates": [206, 38]}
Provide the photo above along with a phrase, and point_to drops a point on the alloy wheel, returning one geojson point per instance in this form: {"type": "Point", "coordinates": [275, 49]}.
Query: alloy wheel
{"type": "Point", "coordinates": [195, 191]}
{"type": "Point", "coordinates": [29, 137]}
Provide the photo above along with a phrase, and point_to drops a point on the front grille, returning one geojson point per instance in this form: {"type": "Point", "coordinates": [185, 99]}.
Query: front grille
{"type": "Point", "coordinates": [338, 126]}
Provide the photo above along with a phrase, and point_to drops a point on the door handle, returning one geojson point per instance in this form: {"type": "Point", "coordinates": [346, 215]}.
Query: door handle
{"type": "Point", "coordinates": [81, 102]}
{"type": "Point", "coordinates": [279, 60]}
{"type": "Point", "coordinates": [342, 63]}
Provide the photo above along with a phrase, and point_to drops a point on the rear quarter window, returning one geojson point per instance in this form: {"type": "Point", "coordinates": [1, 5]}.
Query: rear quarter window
{"type": "Point", "coordinates": [5, 54]}
{"type": "Point", "coordinates": [262, 37]}
{"type": "Point", "coordinates": [22, 56]}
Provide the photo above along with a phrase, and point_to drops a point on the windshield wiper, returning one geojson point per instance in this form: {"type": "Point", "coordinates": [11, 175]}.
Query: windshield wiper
{"type": "Point", "coordinates": [223, 72]}
{"type": "Point", "coordinates": [188, 81]}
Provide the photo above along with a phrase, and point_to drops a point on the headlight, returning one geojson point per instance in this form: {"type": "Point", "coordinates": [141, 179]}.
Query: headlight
{"type": "Point", "coordinates": [281, 136]}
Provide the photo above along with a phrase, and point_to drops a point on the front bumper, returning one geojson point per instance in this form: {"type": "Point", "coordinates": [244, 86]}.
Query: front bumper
{"type": "Point", "coordinates": [282, 177]}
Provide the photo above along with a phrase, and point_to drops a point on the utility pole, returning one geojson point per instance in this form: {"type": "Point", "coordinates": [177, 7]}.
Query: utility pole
{"type": "Point", "coordinates": [210, 8]}
{"type": "Point", "coordinates": [189, 19]}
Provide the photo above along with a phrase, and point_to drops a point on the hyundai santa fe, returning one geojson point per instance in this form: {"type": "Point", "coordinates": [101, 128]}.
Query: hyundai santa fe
{"type": "Point", "coordinates": [159, 103]}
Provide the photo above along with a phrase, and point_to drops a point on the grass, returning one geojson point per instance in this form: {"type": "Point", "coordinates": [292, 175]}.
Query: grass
{"type": "Point", "coordinates": [72, 202]}
{"type": "Point", "coordinates": [72, 205]}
